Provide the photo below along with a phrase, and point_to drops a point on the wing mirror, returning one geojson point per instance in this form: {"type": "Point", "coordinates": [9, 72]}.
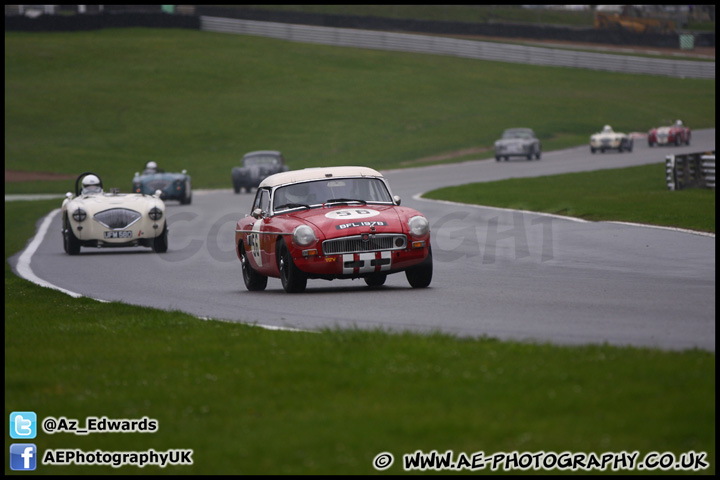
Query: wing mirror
{"type": "Point", "coordinates": [184, 172]}
{"type": "Point", "coordinates": [257, 213]}
{"type": "Point", "coordinates": [69, 196]}
{"type": "Point", "coordinates": [397, 199]}
{"type": "Point", "coordinates": [158, 193]}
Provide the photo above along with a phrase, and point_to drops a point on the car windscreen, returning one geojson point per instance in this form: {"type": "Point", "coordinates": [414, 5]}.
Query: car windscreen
{"type": "Point", "coordinates": [516, 134]}
{"type": "Point", "coordinates": [260, 160]}
{"type": "Point", "coordinates": [336, 190]}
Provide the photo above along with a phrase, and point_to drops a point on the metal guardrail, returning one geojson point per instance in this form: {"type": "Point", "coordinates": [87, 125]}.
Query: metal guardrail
{"type": "Point", "coordinates": [436, 45]}
{"type": "Point", "coordinates": [708, 169]}
{"type": "Point", "coordinates": [691, 170]}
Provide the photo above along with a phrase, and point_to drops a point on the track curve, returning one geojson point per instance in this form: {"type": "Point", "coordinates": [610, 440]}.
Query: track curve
{"type": "Point", "coordinates": [498, 273]}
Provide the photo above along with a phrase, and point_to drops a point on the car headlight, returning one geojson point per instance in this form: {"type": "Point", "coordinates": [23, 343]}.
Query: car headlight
{"type": "Point", "coordinates": [418, 226]}
{"type": "Point", "coordinates": [155, 213]}
{"type": "Point", "coordinates": [303, 235]}
{"type": "Point", "coordinates": [79, 215]}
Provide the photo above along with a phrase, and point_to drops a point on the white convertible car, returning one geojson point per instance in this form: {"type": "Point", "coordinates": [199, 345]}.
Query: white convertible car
{"type": "Point", "coordinates": [93, 218]}
{"type": "Point", "coordinates": [610, 140]}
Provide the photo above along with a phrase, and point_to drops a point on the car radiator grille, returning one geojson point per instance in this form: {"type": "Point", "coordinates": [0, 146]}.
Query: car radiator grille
{"type": "Point", "coordinates": [371, 243]}
{"type": "Point", "coordinates": [117, 218]}
{"type": "Point", "coordinates": [157, 185]}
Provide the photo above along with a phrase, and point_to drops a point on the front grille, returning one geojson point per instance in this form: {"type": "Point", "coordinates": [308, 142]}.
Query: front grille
{"type": "Point", "coordinates": [356, 244]}
{"type": "Point", "coordinates": [157, 185]}
{"type": "Point", "coordinates": [117, 218]}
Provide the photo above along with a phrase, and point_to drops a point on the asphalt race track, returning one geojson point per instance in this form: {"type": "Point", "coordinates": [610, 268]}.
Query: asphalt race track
{"type": "Point", "coordinates": [497, 273]}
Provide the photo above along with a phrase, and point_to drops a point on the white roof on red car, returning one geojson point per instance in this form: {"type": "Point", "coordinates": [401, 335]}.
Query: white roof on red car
{"type": "Point", "coordinates": [318, 173]}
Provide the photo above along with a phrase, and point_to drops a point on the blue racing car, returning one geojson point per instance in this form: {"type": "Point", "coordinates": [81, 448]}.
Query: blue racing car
{"type": "Point", "coordinates": [172, 186]}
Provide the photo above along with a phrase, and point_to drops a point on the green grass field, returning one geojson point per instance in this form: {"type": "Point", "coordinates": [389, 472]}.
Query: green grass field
{"type": "Point", "coordinates": [111, 100]}
{"type": "Point", "coordinates": [635, 194]}
{"type": "Point", "coordinates": [253, 401]}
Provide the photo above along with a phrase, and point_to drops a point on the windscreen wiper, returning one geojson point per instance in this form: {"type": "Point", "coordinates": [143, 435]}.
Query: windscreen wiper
{"type": "Point", "coordinates": [291, 205]}
{"type": "Point", "coordinates": [345, 200]}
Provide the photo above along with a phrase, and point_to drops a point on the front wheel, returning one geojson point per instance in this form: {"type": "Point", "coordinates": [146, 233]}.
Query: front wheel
{"type": "Point", "coordinates": [187, 197]}
{"type": "Point", "coordinates": [70, 241]}
{"type": "Point", "coordinates": [254, 282]}
{"type": "Point", "coordinates": [420, 275]}
{"type": "Point", "coordinates": [293, 279]}
{"type": "Point", "coordinates": [376, 279]}
{"type": "Point", "coordinates": [160, 243]}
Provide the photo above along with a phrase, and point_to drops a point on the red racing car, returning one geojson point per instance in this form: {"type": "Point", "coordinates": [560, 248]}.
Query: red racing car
{"type": "Point", "coordinates": [334, 222]}
{"type": "Point", "coordinates": [673, 135]}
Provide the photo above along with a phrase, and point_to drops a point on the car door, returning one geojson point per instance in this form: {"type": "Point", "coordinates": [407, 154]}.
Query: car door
{"type": "Point", "coordinates": [256, 241]}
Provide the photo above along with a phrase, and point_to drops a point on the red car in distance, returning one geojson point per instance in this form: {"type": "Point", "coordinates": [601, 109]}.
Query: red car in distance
{"type": "Point", "coordinates": [677, 134]}
{"type": "Point", "coordinates": [328, 223]}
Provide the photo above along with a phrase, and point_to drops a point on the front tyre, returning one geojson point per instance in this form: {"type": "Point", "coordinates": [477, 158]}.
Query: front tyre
{"type": "Point", "coordinates": [70, 242]}
{"type": "Point", "coordinates": [187, 197]}
{"type": "Point", "coordinates": [293, 279]}
{"type": "Point", "coordinates": [160, 243]}
{"type": "Point", "coordinates": [420, 275]}
{"type": "Point", "coordinates": [376, 279]}
{"type": "Point", "coordinates": [254, 282]}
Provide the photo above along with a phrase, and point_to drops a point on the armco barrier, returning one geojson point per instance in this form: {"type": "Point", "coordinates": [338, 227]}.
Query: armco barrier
{"type": "Point", "coordinates": [537, 31]}
{"type": "Point", "coordinates": [690, 170]}
{"type": "Point", "coordinates": [350, 37]}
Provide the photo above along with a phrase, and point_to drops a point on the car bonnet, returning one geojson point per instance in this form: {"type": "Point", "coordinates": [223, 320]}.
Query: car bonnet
{"type": "Point", "coordinates": [353, 219]}
{"type": "Point", "coordinates": [98, 203]}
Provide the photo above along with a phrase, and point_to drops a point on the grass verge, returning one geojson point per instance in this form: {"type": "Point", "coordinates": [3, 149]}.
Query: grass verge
{"type": "Point", "coordinates": [633, 194]}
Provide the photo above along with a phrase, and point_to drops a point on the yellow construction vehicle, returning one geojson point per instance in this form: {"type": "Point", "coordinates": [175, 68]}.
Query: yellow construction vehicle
{"type": "Point", "coordinates": [632, 22]}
